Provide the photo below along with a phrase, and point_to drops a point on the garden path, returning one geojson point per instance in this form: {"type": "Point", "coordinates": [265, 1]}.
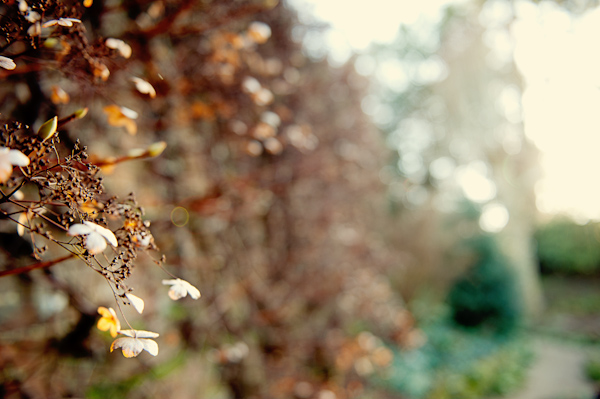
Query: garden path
{"type": "Point", "coordinates": [557, 372]}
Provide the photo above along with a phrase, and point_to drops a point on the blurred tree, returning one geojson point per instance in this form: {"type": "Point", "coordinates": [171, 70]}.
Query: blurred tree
{"type": "Point", "coordinates": [452, 113]}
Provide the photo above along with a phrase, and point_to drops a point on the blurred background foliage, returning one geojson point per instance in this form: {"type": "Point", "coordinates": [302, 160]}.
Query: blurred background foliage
{"type": "Point", "coordinates": [335, 218]}
{"type": "Point", "coordinates": [564, 246]}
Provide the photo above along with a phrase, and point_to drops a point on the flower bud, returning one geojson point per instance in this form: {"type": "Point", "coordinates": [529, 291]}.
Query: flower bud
{"type": "Point", "coordinates": [80, 113]}
{"type": "Point", "coordinates": [48, 129]}
{"type": "Point", "coordinates": [157, 148]}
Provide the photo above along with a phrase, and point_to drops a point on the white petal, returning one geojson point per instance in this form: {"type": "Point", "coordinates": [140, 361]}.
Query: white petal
{"type": "Point", "coordinates": [79, 230]}
{"type": "Point", "coordinates": [129, 113]}
{"type": "Point", "coordinates": [177, 292]}
{"type": "Point", "coordinates": [35, 29]}
{"type": "Point", "coordinates": [125, 50]}
{"type": "Point", "coordinates": [150, 346]}
{"type": "Point", "coordinates": [251, 85]}
{"type": "Point", "coordinates": [49, 23]}
{"type": "Point", "coordinates": [33, 16]}
{"type": "Point", "coordinates": [19, 195]}
{"type": "Point", "coordinates": [139, 333]}
{"type": "Point", "coordinates": [113, 43]}
{"type": "Point", "coordinates": [144, 87]}
{"type": "Point", "coordinates": [104, 232]}
{"type": "Point", "coordinates": [93, 226]}
{"type": "Point", "coordinates": [95, 243]}
{"type": "Point", "coordinates": [180, 288]}
{"type": "Point", "coordinates": [193, 291]}
{"type": "Point", "coordinates": [17, 158]}
{"type": "Point", "coordinates": [146, 334]}
{"type": "Point", "coordinates": [136, 302]}
{"type": "Point", "coordinates": [23, 7]}
{"type": "Point", "coordinates": [21, 225]}
{"type": "Point", "coordinates": [131, 347]}
{"type": "Point", "coordinates": [129, 333]}
{"type": "Point", "coordinates": [5, 171]}
{"type": "Point", "coordinates": [7, 63]}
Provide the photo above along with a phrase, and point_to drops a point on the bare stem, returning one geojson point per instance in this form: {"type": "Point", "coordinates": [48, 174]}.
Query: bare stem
{"type": "Point", "coordinates": [39, 265]}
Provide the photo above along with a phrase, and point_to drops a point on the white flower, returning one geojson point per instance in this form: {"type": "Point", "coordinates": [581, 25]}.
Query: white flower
{"type": "Point", "coordinates": [35, 29]}
{"type": "Point", "coordinates": [68, 22]}
{"type": "Point", "coordinates": [136, 302]}
{"type": "Point", "coordinates": [10, 158]}
{"type": "Point", "coordinates": [135, 342]}
{"type": "Point", "coordinates": [259, 32]}
{"type": "Point", "coordinates": [180, 288]}
{"type": "Point", "coordinates": [95, 236]}
{"type": "Point", "coordinates": [33, 16]}
{"type": "Point", "coordinates": [117, 44]}
{"type": "Point", "coordinates": [23, 6]}
{"type": "Point", "coordinates": [251, 85]}
{"type": "Point", "coordinates": [144, 87]}
{"type": "Point", "coordinates": [142, 240]}
{"type": "Point", "coordinates": [7, 63]}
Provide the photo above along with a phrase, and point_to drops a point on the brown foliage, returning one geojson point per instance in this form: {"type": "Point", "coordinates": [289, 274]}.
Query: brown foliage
{"type": "Point", "coordinates": [267, 196]}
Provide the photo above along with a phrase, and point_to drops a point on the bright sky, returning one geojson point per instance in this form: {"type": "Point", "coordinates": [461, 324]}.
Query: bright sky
{"type": "Point", "coordinates": [558, 57]}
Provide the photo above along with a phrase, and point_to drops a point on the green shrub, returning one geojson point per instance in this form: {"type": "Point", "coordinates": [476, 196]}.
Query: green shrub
{"type": "Point", "coordinates": [486, 296]}
{"type": "Point", "coordinates": [455, 363]}
{"type": "Point", "coordinates": [592, 366]}
{"type": "Point", "coordinates": [567, 247]}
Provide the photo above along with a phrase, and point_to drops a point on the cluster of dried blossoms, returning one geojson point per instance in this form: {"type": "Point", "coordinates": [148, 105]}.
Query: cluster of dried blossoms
{"type": "Point", "coordinates": [52, 191]}
{"type": "Point", "coordinates": [60, 200]}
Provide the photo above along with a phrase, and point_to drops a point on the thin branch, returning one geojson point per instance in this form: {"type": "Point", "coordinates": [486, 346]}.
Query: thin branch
{"type": "Point", "coordinates": [39, 265]}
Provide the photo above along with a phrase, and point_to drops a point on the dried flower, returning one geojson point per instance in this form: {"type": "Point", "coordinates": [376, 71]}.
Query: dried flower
{"type": "Point", "coordinates": [121, 116]}
{"type": "Point", "coordinates": [109, 321]}
{"type": "Point", "coordinates": [144, 87]}
{"type": "Point", "coordinates": [254, 148]}
{"type": "Point", "coordinates": [180, 288]}
{"type": "Point", "coordinates": [95, 236]}
{"type": "Point", "coordinates": [259, 32]}
{"type": "Point", "coordinates": [142, 240]}
{"type": "Point", "coordinates": [8, 159]}
{"type": "Point", "coordinates": [7, 63]}
{"type": "Point", "coordinates": [136, 302]}
{"type": "Point", "coordinates": [263, 97]}
{"type": "Point", "coordinates": [251, 85]}
{"type": "Point", "coordinates": [273, 146]}
{"type": "Point", "coordinates": [117, 44]}
{"type": "Point", "coordinates": [101, 71]}
{"type": "Point", "coordinates": [135, 342]}
{"type": "Point", "coordinates": [59, 96]}
{"type": "Point", "coordinates": [270, 118]}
